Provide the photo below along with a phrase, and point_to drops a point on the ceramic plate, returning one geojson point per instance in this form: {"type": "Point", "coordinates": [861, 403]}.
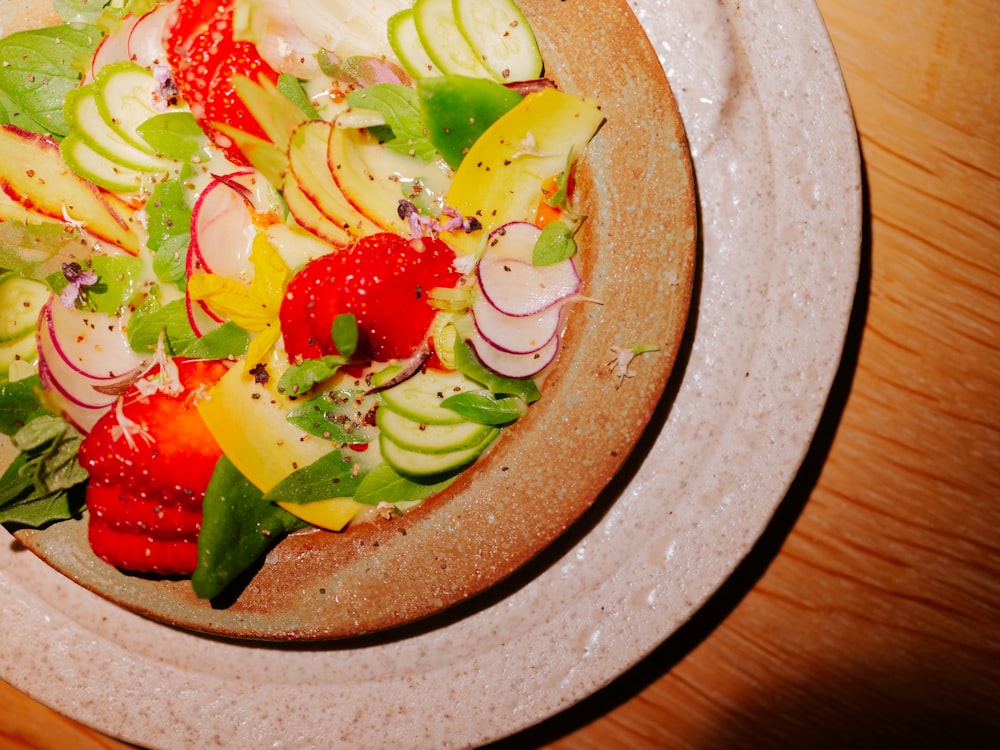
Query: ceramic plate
{"type": "Point", "coordinates": [777, 169]}
{"type": "Point", "coordinates": [637, 245]}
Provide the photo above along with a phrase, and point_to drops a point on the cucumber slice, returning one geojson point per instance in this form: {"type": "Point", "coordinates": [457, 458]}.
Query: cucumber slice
{"type": "Point", "coordinates": [100, 170]}
{"type": "Point", "coordinates": [405, 42]}
{"type": "Point", "coordinates": [20, 301]}
{"type": "Point", "coordinates": [414, 463]}
{"type": "Point", "coordinates": [419, 398]}
{"type": "Point", "coordinates": [429, 438]}
{"type": "Point", "coordinates": [501, 38]}
{"type": "Point", "coordinates": [84, 116]}
{"type": "Point", "coordinates": [23, 349]}
{"type": "Point", "coordinates": [443, 40]}
{"type": "Point", "coordinates": [126, 98]}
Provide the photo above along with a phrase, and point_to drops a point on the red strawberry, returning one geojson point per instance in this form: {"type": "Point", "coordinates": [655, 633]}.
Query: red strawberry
{"type": "Point", "coordinates": [383, 280]}
{"type": "Point", "coordinates": [204, 57]}
{"type": "Point", "coordinates": [150, 462]}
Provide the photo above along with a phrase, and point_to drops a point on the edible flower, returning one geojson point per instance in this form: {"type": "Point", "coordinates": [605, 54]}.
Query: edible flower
{"type": "Point", "coordinates": [78, 281]}
{"type": "Point", "coordinates": [622, 363]}
{"type": "Point", "coordinates": [254, 306]}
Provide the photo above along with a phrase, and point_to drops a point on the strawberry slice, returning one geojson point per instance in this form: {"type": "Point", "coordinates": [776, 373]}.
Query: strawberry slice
{"type": "Point", "coordinates": [383, 279]}
{"type": "Point", "coordinates": [150, 461]}
{"type": "Point", "coordinates": [204, 57]}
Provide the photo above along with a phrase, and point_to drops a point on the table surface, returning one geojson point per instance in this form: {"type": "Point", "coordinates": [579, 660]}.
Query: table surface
{"type": "Point", "coordinates": [869, 613]}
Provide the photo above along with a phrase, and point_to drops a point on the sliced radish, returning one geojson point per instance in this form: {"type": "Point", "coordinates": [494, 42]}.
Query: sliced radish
{"type": "Point", "coordinates": [222, 222]}
{"type": "Point", "coordinates": [146, 46]}
{"type": "Point", "coordinates": [513, 365]}
{"type": "Point", "coordinates": [516, 334]}
{"type": "Point", "coordinates": [113, 47]}
{"type": "Point", "coordinates": [514, 241]}
{"type": "Point", "coordinates": [83, 360]}
{"type": "Point", "coordinates": [518, 288]}
{"type": "Point", "coordinates": [92, 345]}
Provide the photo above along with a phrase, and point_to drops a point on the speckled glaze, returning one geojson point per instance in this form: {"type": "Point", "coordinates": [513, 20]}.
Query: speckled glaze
{"type": "Point", "coordinates": [777, 169]}
{"type": "Point", "coordinates": [637, 248]}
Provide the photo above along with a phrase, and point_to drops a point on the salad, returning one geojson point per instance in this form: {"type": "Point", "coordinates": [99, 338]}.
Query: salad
{"type": "Point", "coordinates": [270, 265]}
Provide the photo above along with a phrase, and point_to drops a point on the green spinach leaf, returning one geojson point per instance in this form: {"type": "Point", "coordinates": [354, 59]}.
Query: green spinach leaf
{"type": "Point", "coordinates": [238, 527]}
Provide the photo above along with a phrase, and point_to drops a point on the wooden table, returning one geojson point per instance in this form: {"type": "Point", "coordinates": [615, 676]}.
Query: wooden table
{"type": "Point", "coordinates": [869, 614]}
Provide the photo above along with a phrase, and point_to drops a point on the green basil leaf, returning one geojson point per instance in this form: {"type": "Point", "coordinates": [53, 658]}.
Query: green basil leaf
{"type": "Point", "coordinates": [383, 484]}
{"type": "Point", "coordinates": [169, 222]}
{"type": "Point", "coordinates": [400, 106]}
{"type": "Point", "coordinates": [344, 333]}
{"type": "Point", "coordinates": [298, 380]}
{"type": "Point", "coordinates": [41, 66]}
{"type": "Point", "coordinates": [19, 404]}
{"type": "Point", "coordinates": [554, 245]}
{"type": "Point", "coordinates": [119, 281]}
{"type": "Point", "coordinates": [150, 319]}
{"type": "Point", "coordinates": [238, 527]}
{"type": "Point", "coordinates": [334, 475]}
{"type": "Point", "coordinates": [339, 416]}
{"type": "Point", "coordinates": [483, 407]}
{"type": "Point", "coordinates": [290, 86]}
{"type": "Point", "coordinates": [175, 135]}
{"type": "Point", "coordinates": [468, 363]}
{"type": "Point", "coordinates": [40, 485]}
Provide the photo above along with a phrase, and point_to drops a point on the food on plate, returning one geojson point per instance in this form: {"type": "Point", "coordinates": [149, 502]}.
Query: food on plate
{"type": "Point", "coordinates": [273, 265]}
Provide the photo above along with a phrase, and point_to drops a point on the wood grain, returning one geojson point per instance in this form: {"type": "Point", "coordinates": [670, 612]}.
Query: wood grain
{"type": "Point", "coordinates": [868, 614]}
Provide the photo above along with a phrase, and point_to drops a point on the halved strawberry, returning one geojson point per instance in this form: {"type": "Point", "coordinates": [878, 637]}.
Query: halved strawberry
{"type": "Point", "coordinates": [383, 280]}
{"type": "Point", "coordinates": [204, 57]}
{"type": "Point", "coordinates": [150, 460]}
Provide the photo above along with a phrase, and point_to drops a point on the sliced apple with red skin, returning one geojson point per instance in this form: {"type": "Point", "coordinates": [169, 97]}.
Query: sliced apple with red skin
{"type": "Point", "coordinates": [374, 178]}
{"type": "Point", "coordinates": [310, 177]}
{"type": "Point", "coordinates": [37, 177]}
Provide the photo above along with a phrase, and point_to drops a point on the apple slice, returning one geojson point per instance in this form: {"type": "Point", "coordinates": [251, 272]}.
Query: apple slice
{"type": "Point", "coordinates": [374, 178]}
{"type": "Point", "coordinates": [37, 177]}
{"type": "Point", "coordinates": [339, 222]}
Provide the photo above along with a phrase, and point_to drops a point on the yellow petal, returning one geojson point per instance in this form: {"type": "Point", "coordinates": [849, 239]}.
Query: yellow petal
{"type": "Point", "coordinates": [261, 346]}
{"type": "Point", "coordinates": [270, 274]}
{"type": "Point", "coordinates": [230, 299]}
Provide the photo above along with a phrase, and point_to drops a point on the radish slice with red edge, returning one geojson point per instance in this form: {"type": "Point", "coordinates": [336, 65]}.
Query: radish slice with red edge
{"type": "Point", "coordinates": [513, 365]}
{"type": "Point", "coordinates": [92, 345]}
{"type": "Point", "coordinates": [222, 229]}
{"type": "Point", "coordinates": [72, 365]}
{"type": "Point", "coordinates": [516, 334]}
{"type": "Point", "coordinates": [517, 288]}
{"type": "Point", "coordinates": [222, 234]}
{"type": "Point", "coordinates": [145, 41]}
{"type": "Point", "coordinates": [514, 241]}
{"type": "Point", "coordinates": [113, 47]}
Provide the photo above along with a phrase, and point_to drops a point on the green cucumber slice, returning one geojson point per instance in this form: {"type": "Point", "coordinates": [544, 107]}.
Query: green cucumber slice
{"type": "Point", "coordinates": [125, 98]}
{"type": "Point", "coordinates": [442, 39]}
{"type": "Point", "coordinates": [83, 114]}
{"type": "Point", "coordinates": [429, 438]}
{"type": "Point", "coordinates": [414, 463]}
{"type": "Point", "coordinates": [100, 170]}
{"type": "Point", "coordinates": [419, 398]}
{"type": "Point", "coordinates": [23, 349]}
{"type": "Point", "coordinates": [501, 38]}
{"type": "Point", "coordinates": [405, 42]}
{"type": "Point", "coordinates": [20, 301]}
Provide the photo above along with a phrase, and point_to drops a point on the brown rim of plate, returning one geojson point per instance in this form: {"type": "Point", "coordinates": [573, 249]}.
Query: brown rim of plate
{"type": "Point", "coordinates": [638, 250]}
